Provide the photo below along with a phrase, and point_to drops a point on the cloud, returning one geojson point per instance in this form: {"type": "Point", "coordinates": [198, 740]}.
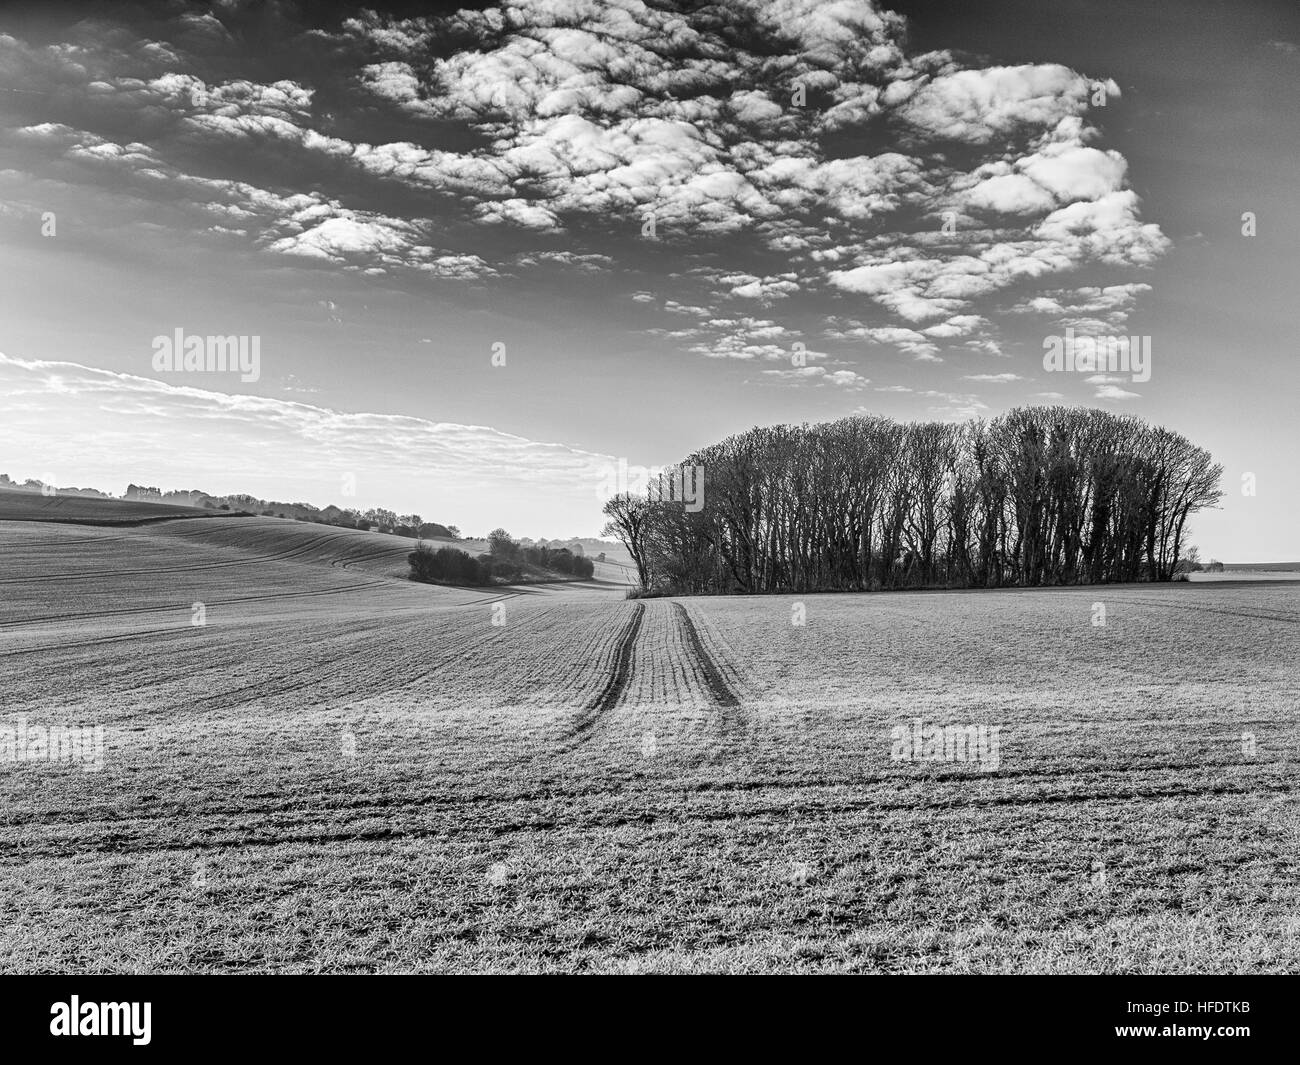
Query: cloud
{"type": "Point", "coordinates": [491, 144]}
{"type": "Point", "coordinates": [954, 406]}
{"type": "Point", "coordinates": [977, 106]}
{"type": "Point", "coordinates": [109, 426]}
{"type": "Point", "coordinates": [743, 338]}
{"type": "Point", "coordinates": [1089, 310]}
{"type": "Point", "coordinates": [908, 341]}
{"type": "Point", "coordinates": [1114, 392]}
{"type": "Point", "coordinates": [821, 375]}
{"type": "Point", "coordinates": [959, 325]}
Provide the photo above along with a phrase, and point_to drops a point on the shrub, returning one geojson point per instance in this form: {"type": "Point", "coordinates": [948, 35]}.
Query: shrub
{"type": "Point", "coordinates": [446, 566]}
{"type": "Point", "coordinates": [501, 545]}
{"type": "Point", "coordinates": [646, 593]}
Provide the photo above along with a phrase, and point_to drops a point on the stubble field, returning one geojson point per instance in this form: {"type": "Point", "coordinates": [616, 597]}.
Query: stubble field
{"type": "Point", "coordinates": [342, 771]}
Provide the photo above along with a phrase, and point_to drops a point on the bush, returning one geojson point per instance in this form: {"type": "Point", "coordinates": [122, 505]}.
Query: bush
{"type": "Point", "coordinates": [501, 568]}
{"type": "Point", "coordinates": [449, 565]}
{"type": "Point", "coordinates": [646, 593]}
{"type": "Point", "coordinates": [446, 566]}
{"type": "Point", "coordinates": [502, 546]}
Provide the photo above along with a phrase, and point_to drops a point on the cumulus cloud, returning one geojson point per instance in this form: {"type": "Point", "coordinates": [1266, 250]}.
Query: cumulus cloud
{"type": "Point", "coordinates": [821, 375]}
{"type": "Point", "coordinates": [457, 145]}
{"type": "Point", "coordinates": [1115, 392]}
{"type": "Point", "coordinates": [977, 106]}
{"type": "Point", "coordinates": [909, 341]}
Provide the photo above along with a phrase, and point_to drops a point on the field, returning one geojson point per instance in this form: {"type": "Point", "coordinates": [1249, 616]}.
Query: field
{"type": "Point", "coordinates": [82, 510]}
{"type": "Point", "coordinates": [311, 764]}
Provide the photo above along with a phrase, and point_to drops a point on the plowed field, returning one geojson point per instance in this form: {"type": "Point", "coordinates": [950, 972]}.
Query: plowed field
{"type": "Point", "coordinates": [311, 764]}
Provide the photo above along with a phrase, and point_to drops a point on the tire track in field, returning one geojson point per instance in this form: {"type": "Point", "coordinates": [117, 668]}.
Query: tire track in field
{"type": "Point", "coordinates": [716, 683]}
{"type": "Point", "coordinates": [376, 554]}
{"type": "Point", "coordinates": [332, 669]}
{"type": "Point", "coordinates": [290, 553]}
{"type": "Point", "coordinates": [330, 665]}
{"type": "Point", "coordinates": [286, 804]}
{"type": "Point", "coordinates": [75, 541]}
{"type": "Point", "coordinates": [617, 681]}
{"type": "Point", "coordinates": [135, 634]}
{"type": "Point", "coordinates": [733, 721]}
{"type": "Point", "coordinates": [452, 653]}
{"type": "Point", "coordinates": [489, 599]}
{"type": "Point", "coordinates": [297, 831]}
{"type": "Point", "coordinates": [1276, 613]}
{"type": "Point", "coordinates": [128, 611]}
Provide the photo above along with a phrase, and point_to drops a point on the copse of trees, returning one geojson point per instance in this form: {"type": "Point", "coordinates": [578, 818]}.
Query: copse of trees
{"type": "Point", "coordinates": [446, 565]}
{"type": "Point", "coordinates": [561, 560]}
{"type": "Point", "coordinates": [507, 553]}
{"type": "Point", "coordinates": [504, 561]}
{"type": "Point", "coordinates": [1038, 496]}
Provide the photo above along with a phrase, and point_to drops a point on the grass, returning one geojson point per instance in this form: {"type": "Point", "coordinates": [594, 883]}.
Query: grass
{"type": "Point", "coordinates": [359, 774]}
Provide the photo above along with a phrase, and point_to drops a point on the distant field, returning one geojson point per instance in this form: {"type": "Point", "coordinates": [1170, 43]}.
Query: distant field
{"type": "Point", "coordinates": [1248, 575]}
{"type": "Point", "coordinates": [343, 771]}
{"type": "Point", "coordinates": [1254, 571]}
{"type": "Point", "coordinates": [381, 553]}
{"type": "Point", "coordinates": [32, 506]}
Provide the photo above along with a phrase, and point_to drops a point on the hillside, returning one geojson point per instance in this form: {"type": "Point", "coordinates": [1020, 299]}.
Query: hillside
{"type": "Point", "coordinates": [18, 505]}
{"type": "Point", "coordinates": [238, 539]}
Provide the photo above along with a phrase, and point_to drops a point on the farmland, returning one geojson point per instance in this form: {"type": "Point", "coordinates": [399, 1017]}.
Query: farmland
{"type": "Point", "coordinates": [312, 764]}
{"type": "Point", "coordinates": [82, 510]}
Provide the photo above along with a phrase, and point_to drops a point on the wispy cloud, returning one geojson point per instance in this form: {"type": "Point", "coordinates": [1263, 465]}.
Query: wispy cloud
{"type": "Point", "coordinates": [97, 428]}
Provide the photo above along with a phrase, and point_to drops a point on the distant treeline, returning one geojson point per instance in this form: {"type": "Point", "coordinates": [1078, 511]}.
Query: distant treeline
{"type": "Point", "coordinates": [33, 485]}
{"type": "Point", "coordinates": [506, 561]}
{"type": "Point", "coordinates": [378, 518]}
{"type": "Point", "coordinates": [1040, 495]}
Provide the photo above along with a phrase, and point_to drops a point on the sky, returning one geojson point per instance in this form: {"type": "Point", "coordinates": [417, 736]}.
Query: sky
{"type": "Point", "coordinates": [487, 253]}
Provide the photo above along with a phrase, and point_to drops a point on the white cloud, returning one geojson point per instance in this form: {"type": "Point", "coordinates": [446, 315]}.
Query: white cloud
{"type": "Point", "coordinates": [977, 106]}
{"type": "Point", "coordinates": [110, 426]}
{"type": "Point", "coordinates": [578, 118]}
{"type": "Point", "coordinates": [1115, 392]}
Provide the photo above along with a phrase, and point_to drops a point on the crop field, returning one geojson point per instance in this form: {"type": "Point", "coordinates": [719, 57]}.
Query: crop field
{"type": "Point", "coordinates": [32, 506]}
{"type": "Point", "coordinates": [311, 764]}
